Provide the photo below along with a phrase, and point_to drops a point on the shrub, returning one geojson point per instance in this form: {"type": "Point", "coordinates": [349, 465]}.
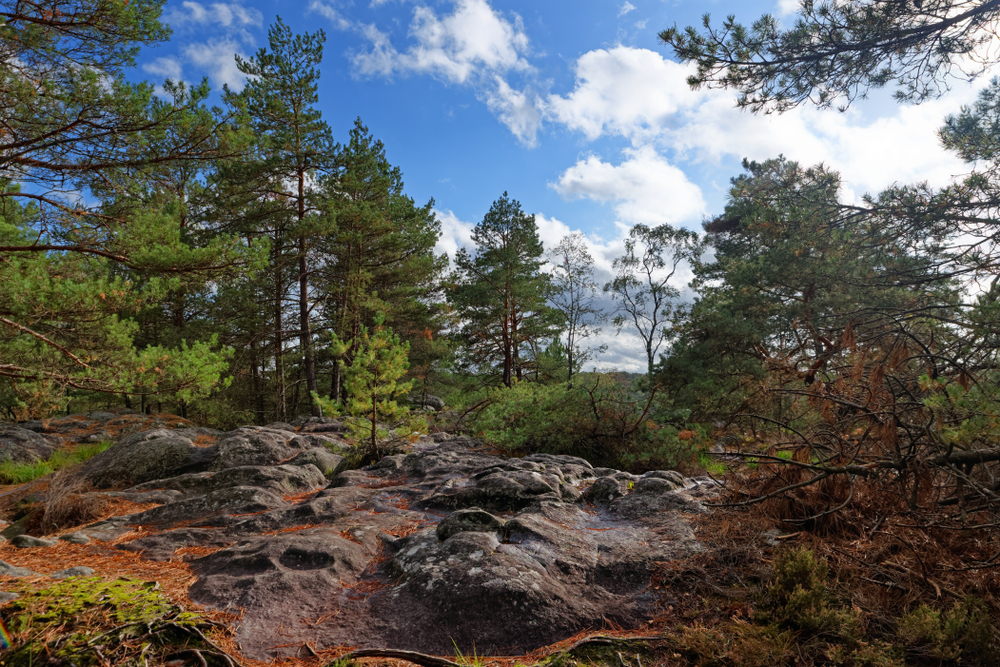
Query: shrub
{"type": "Point", "coordinates": [599, 417]}
{"type": "Point", "coordinates": [962, 635]}
{"type": "Point", "coordinates": [797, 597]}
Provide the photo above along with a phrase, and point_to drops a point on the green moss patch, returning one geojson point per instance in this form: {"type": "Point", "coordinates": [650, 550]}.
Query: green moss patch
{"type": "Point", "coordinates": [87, 622]}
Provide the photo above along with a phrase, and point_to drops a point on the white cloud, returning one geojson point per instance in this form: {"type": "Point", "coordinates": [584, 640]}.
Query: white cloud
{"type": "Point", "coordinates": [455, 233]}
{"type": "Point", "coordinates": [455, 48]}
{"type": "Point", "coordinates": [645, 188]}
{"type": "Point", "coordinates": [332, 14]}
{"type": "Point", "coordinates": [625, 91]}
{"type": "Point", "coordinates": [165, 68]}
{"type": "Point", "coordinates": [788, 7]}
{"type": "Point", "coordinates": [219, 14]}
{"type": "Point", "coordinates": [626, 8]}
{"type": "Point", "coordinates": [474, 46]}
{"type": "Point", "coordinates": [217, 57]}
{"type": "Point", "coordinates": [638, 95]}
{"type": "Point", "coordinates": [515, 109]}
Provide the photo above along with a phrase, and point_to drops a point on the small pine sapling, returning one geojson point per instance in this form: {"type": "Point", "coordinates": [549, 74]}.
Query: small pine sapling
{"type": "Point", "coordinates": [373, 384]}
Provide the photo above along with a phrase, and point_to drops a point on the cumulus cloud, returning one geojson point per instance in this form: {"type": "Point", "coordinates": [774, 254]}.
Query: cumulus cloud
{"type": "Point", "coordinates": [474, 46]}
{"type": "Point", "coordinates": [624, 91]}
{"type": "Point", "coordinates": [645, 188]}
{"type": "Point", "coordinates": [455, 48]}
{"type": "Point", "coordinates": [164, 68]}
{"type": "Point", "coordinates": [455, 233]}
{"type": "Point", "coordinates": [788, 7]}
{"type": "Point", "coordinates": [640, 96]}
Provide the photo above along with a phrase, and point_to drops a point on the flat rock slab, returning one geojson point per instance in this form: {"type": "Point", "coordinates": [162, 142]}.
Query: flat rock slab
{"type": "Point", "coordinates": [444, 547]}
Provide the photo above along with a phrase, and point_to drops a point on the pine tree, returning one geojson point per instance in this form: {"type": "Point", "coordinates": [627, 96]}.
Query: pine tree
{"type": "Point", "coordinates": [73, 124]}
{"type": "Point", "coordinates": [295, 148]}
{"type": "Point", "coordinates": [500, 293]}
{"type": "Point", "coordinates": [373, 383]}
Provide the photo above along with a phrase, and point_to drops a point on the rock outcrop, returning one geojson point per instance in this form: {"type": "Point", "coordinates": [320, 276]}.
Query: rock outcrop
{"type": "Point", "coordinates": [442, 547]}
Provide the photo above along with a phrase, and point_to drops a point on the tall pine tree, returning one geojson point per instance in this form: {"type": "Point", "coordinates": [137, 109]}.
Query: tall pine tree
{"type": "Point", "coordinates": [500, 293]}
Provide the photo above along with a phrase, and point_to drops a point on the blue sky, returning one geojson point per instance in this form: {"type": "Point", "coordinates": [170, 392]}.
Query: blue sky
{"type": "Point", "coordinates": [572, 107]}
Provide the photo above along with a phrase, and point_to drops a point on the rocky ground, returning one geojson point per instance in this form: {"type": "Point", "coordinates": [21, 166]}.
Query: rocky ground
{"type": "Point", "coordinates": [441, 548]}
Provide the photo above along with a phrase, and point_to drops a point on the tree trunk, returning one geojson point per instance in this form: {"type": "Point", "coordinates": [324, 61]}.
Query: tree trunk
{"type": "Point", "coordinates": [305, 335]}
{"type": "Point", "coordinates": [279, 342]}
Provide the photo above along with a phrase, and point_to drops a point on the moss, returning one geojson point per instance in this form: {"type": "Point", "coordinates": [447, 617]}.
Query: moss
{"type": "Point", "coordinates": [89, 621]}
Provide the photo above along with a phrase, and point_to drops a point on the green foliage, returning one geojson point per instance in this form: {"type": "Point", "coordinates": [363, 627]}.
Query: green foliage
{"type": "Point", "coordinates": [12, 472]}
{"type": "Point", "coordinates": [600, 417]}
{"type": "Point", "coordinates": [89, 622]}
{"type": "Point", "coordinates": [500, 294]}
{"type": "Point", "coordinates": [797, 597]}
{"type": "Point", "coordinates": [373, 385]}
{"type": "Point", "coordinates": [737, 645]}
{"type": "Point", "coordinates": [963, 635]}
{"type": "Point", "coordinates": [836, 51]}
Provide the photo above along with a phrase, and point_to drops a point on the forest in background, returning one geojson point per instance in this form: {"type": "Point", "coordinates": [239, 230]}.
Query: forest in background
{"type": "Point", "coordinates": [239, 264]}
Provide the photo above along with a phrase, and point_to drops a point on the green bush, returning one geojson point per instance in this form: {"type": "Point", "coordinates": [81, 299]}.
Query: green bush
{"type": "Point", "coordinates": [963, 635]}
{"type": "Point", "coordinates": [797, 597]}
{"type": "Point", "coordinates": [600, 417]}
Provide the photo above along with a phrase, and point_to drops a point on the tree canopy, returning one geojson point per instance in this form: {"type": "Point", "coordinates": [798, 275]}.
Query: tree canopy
{"type": "Point", "coordinates": [836, 51]}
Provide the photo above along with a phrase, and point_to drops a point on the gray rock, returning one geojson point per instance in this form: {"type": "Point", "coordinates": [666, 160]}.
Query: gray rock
{"type": "Point", "coordinates": [252, 447]}
{"type": "Point", "coordinates": [97, 436]}
{"type": "Point", "coordinates": [23, 446]}
{"type": "Point", "coordinates": [325, 460]}
{"type": "Point", "coordinates": [14, 571]}
{"type": "Point", "coordinates": [439, 548]}
{"type": "Point", "coordinates": [469, 520]}
{"type": "Point", "coordinates": [77, 571]}
{"type": "Point", "coordinates": [238, 500]}
{"type": "Point", "coordinates": [604, 490]}
{"type": "Point", "coordinates": [427, 401]}
{"type": "Point", "coordinates": [283, 479]}
{"type": "Point", "coordinates": [101, 416]}
{"type": "Point", "coordinates": [28, 541]}
{"type": "Point", "coordinates": [313, 440]}
{"type": "Point", "coordinates": [75, 538]}
{"type": "Point", "coordinates": [7, 597]}
{"type": "Point", "coordinates": [144, 457]}
{"type": "Point", "coordinates": [36, 425]}
{"type": "Point", "coordinates": [280, 426]}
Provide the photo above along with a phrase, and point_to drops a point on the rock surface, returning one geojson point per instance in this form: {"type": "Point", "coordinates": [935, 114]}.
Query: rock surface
{"type": "Point", "coordinates": [443, 547]}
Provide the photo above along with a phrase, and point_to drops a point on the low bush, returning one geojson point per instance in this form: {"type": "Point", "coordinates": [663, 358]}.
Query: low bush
{"type": "Point", "coordinates": [601, 417]}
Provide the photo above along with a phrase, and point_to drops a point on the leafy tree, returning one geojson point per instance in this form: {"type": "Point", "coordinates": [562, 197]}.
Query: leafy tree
{"type": "Point", "coordinates": [500, 293]}
{"type": "Point", "coordinates": [837, 50]}
{"type": "Point", "coordinates": [641, 284]}
{"type": "Point", "coordinates": [574, 295]}
{"type": "Point", "coordinates": [295, 148]}
{"type": "Point", "coordinates": [73, 125]}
